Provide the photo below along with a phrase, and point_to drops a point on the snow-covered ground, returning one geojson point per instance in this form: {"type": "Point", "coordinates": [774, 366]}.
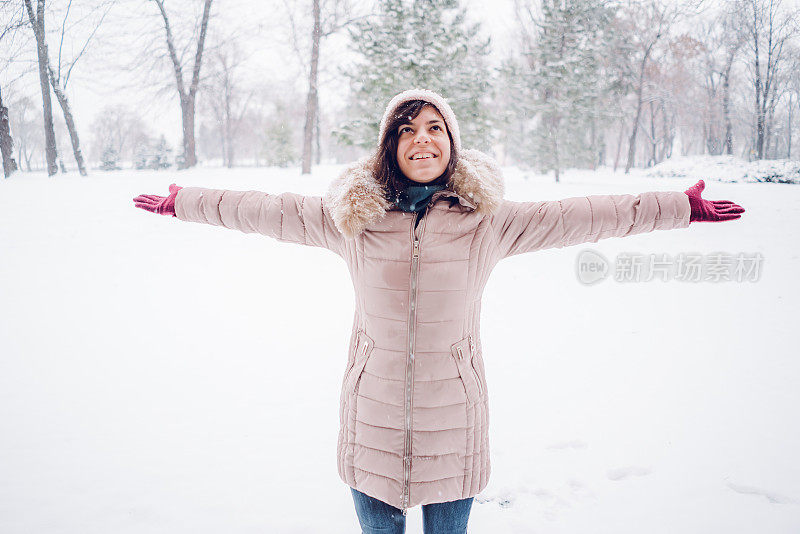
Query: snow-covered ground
{"type": "Point", "coordinates": [729, 169]}
{"type": "Point", "coordinates": [158, 376]}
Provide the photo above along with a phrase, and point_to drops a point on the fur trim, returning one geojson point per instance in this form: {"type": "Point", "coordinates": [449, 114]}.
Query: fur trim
{"type": "Point", "coordinates": [355, 199]}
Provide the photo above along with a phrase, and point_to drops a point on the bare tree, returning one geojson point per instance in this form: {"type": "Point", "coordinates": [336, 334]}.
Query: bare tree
{"type": "Point", "coordinates": [328, 18]}
{"type": "Point", "coordinates": [312, 100]}
{"type": "Point", "coordinates": [186, 94]}
{"type": "Point", "coordinates": [26, 129]}
{"type": "Point", "coordinates": [768, 27]}
{"type": "Point", "coordinates": [6, 142]}
{"type": "Point", "coordinates": [722, 41]}
{"type": "Point", "coordinates": [59, 78]}
{"type": "Point", "coordinates": [13, 23]}
{"type": "Point", "coordinates": [229, 104]}
{"type": "Point", "coordinates": [653, 20]}
{"type": "Point", "coordinates": [119, 128]}
{"type": "Point", "coordinates": [37, 24]}
{"type": "Point", "coordinates": [794, 98]}
{"type": "Point", "coordinates": [733, 42]}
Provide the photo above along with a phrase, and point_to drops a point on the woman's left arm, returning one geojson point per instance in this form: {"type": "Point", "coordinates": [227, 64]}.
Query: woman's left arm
{"type": "Point", "coordinates": [520, 227]}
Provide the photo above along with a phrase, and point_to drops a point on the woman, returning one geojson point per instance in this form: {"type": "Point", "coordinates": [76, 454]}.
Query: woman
{"type": "Point", "coordinates": [421, 223]}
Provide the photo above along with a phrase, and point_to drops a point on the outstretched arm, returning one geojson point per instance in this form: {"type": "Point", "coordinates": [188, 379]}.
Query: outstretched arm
{"type": "Point", "coordinates": [521, 227]}
{"type": "Point", "coordinates": [286, 217]}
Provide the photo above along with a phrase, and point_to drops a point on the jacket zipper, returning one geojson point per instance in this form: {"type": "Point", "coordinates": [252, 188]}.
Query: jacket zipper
{"type": "Point", "coordinates": [409, 382]}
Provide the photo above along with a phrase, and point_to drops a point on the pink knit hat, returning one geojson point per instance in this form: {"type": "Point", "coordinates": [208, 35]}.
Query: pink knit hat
{"type": "Point", "coordinates": [430, 97]}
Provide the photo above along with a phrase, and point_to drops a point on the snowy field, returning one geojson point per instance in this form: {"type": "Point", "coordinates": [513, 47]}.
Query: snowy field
{"type": "Point", "coordinates": [158, 376]}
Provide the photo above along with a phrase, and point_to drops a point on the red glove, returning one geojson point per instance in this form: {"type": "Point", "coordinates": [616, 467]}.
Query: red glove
{"type": "Point", "coordinates": [710, 211]}
{"type": "Point", "coordinates": [157, 204]}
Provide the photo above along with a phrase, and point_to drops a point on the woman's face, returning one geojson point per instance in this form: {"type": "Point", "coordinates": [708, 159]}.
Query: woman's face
{"type": "Point", "coordinates": [423, 146]}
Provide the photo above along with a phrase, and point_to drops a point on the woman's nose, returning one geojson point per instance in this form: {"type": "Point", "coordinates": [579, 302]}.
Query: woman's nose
{"type": "Point", "coordinates": [422, 137]}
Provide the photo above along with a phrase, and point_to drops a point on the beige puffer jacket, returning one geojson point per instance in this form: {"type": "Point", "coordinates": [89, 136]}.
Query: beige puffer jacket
{"type": "Point", "coordinates": [414, 420]}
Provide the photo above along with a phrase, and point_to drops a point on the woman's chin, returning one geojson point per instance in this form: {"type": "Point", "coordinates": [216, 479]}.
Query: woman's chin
{"type": "Point", "coordinates": [422, 179]}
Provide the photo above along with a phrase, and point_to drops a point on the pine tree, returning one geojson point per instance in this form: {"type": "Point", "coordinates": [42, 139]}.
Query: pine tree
{"type": "Point", "coordinates": [277, 144]}
{"type": "Point", "coordinates": [141, 158]}
{"type": "Point", "coordinates": [110, 159]}
{"type": "Point", "coordinates": [563, 85]}
{"type": "Point", "coordinates": [418, 44]}
{"type": "Point", "coordinates": [161, 156]}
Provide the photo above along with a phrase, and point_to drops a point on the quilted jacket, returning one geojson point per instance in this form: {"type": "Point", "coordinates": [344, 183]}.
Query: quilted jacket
{"type": "Point", "coordinates": [414, 413]}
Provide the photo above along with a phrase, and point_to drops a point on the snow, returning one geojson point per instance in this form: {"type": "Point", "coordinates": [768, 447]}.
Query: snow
{"type": "Point", "coordinates": [730, 169]}
{"type": "Point", "coordinates": [160, 376]}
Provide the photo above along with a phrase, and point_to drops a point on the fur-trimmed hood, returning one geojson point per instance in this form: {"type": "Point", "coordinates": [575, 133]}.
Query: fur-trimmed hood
{"type": "Point", "coordinates": [355, 199]}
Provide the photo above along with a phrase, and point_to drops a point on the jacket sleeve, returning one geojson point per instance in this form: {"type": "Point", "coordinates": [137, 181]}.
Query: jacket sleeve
{"type": "Point", "coordinates": [286, 217]}
{"type": "Point", "coordinates": [528, 226]}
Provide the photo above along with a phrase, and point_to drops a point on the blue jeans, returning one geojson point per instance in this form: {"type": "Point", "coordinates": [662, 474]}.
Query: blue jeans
{"type": "Point", "coordinates": [377, 517]}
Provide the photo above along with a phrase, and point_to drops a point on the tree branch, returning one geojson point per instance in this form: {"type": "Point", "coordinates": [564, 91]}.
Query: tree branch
{"type": "Point", "coordinates": [171, 48]}
{"type": "Point", "coordinates": [200, 43]}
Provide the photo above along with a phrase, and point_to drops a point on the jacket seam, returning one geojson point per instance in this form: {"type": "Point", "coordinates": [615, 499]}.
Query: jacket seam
{"type": "Point", "coordinates": [219, 210]}
{"type": "Point", "coordinates": [303, 219]}
{"type": "Point", "coordinates": [658, 216]}
{"type": "Point", "coordinates": [563, 226]}
{"type": "Point", "coordinates": [324, 225]}
{"type": "Point", "coordinates": [280, 204]}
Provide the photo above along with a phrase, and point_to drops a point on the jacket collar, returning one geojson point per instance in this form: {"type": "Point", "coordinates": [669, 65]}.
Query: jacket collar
{"type": "Point", "coordinates": [355, 199]}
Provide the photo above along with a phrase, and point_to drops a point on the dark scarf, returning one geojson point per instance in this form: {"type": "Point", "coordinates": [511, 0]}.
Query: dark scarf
{"type": "Point", "coordinates": [416, 197]}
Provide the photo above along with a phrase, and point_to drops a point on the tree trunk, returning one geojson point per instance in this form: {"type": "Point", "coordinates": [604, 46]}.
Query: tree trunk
{"type": "Point", "coordinates": [37, 22]}
{"type": "Point", "coordinates": [726, 102]}
{"type": "Point", "coordinates": [635, 129]}
{"type": "Point", "coordinates": [187, 98]}
{"type": "Point", "coordinates": [7, 143]}
{"type": "Point", "coordinates": [653, 139]}
{"type": "Point", "coordinates": [759, 141]}
{"type": "Point", "coordinates": [317, 144]}
{"type": "Point", "coordinates": [311, 101]}
{"type": "Point", "coordinates": [789, 129]}
{"type": "Point", "coordinates": [726, 111]}
{"type": "Point", "coordinates": [619, 143]}
{"type": "Point", "coordinates": [556, 158]}
{"type": "Point", "coordinates": [187, 117]}
{"type": "Point", "coordinates": [68, 118]}
{"type": "Point", "coordinates": [669, 135]}
{"type": "Point", "coordinates": [227, 125]}
{"type": "Point", "coordinates": [632, 140]}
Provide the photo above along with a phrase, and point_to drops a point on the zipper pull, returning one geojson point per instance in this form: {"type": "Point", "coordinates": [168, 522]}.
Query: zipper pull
{"type": "Point", "coordinates": [471, 344]}
{"type": "Point", "coordinates": [415, 250]}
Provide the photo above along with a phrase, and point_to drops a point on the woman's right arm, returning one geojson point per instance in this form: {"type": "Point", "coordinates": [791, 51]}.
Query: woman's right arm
{"type": "Point", "coordinates": [287, 217]}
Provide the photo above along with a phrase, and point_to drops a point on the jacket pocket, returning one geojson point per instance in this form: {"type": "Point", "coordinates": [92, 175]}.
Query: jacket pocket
{"type": "Point", "coordinates": [363, 349]}
{"type": "Point", "coordinates": [462, 354]}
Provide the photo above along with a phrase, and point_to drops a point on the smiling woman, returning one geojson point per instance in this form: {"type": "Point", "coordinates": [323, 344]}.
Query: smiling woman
{"type": "Point", "coordinates": [421, 225]}
{"type": "Point", "coordinates": [423, 147]}
{"type": "Point", "coordinates": [416, 125]}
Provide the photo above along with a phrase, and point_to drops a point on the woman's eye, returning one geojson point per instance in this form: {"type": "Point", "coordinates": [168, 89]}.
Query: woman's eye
{"type": "Point", "coordinates": [437, 126]}
{"type": "Point", "coordinates": [404, 128]}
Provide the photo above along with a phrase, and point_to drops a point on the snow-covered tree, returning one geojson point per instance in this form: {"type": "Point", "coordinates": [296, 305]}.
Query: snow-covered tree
{"type": "Point", "coordinates": [110, 159]}
{"type": "Point", "coordinates": [418, 44]}
{"type": "Point", "coordinates": [562, 82]}
{"type": "Point", "coordinates": [278, 148]}
{"type": "Point", "coordinates": [161, 155]}
{"type": "Point", "coordinates": [141, 157]}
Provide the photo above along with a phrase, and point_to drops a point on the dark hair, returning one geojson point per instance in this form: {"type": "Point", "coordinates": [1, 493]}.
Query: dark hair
{"type": "Point", "coordinates": [385, 167]}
